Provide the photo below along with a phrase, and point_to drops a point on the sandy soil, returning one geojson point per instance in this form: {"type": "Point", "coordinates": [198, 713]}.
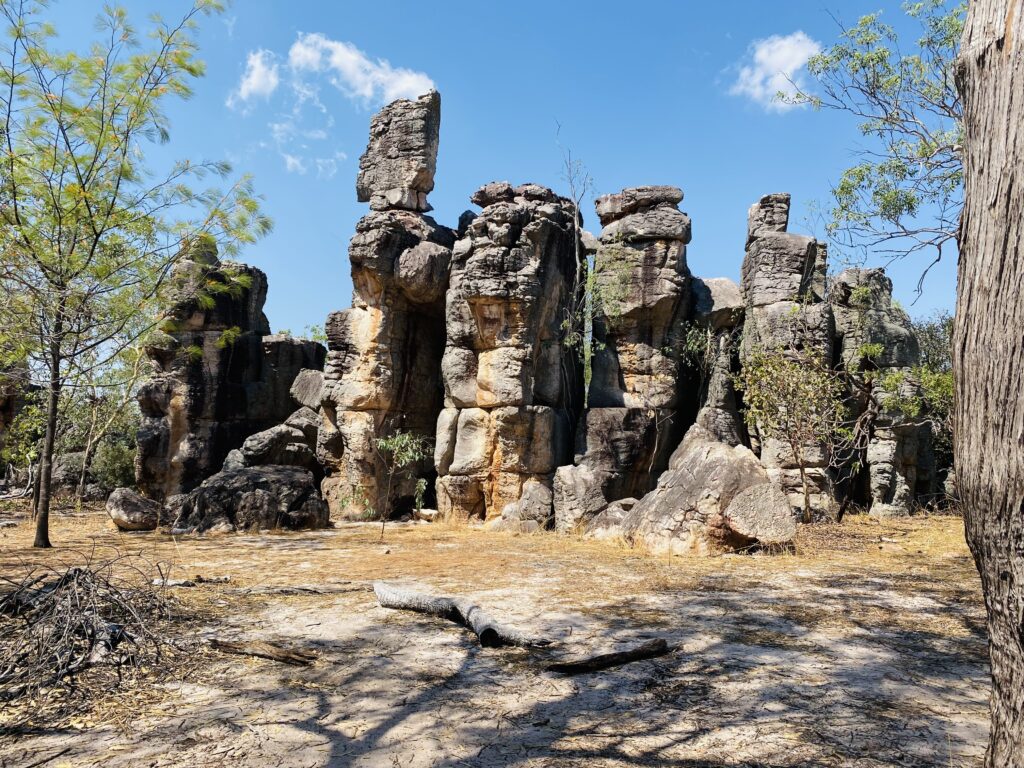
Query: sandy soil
{"type": "Point", "coordinates": [864, 648]}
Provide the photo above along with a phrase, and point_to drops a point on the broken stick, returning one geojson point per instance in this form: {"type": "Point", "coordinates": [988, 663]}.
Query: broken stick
{"type": "Point", "coordinates": [649, 650]}
{"type": "Point", "coordinates": [459, 610]}
{"type": "Point", "coordinates": [266, 650]}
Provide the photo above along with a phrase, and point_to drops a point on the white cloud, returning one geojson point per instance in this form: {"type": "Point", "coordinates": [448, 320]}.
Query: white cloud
{"type": "Point", "coordinates": [300, 130]}
{"type": "Point", "coordinates": [774, 64]}
{"type": "Point", "coordinates": [293, 164]}
{"type": "Point", "coordinates": [326, 167]}
{"type": "Point", "coordinates": [353, 72]}
{"type": "Point", "coordinates": [259, 80]}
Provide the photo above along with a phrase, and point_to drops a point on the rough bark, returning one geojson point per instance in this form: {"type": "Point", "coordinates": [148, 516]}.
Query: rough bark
{"type": "Point", "coordinates": [989, 348]}
{"type": "Point", "coordinates": [42, 507]}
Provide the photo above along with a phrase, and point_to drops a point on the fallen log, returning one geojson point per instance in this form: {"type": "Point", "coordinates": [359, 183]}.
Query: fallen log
{"type": "Point", "coordinates": [649, 650]}
{"type": "Point", "coordinates": [459, 610]}
{"type": "Point", "coordinates": [265, 650]}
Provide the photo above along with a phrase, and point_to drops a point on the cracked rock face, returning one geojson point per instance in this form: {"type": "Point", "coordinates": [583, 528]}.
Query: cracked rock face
{"type": "Point", "coordinates": [383, 370]}
{"type": "Point", "coordinates": [509, 382]}
{"type": "Point", "coordinates": [642, 285]}
{"type": "Point", "coordinates": [253, 498]}
{"type": "Point", "coordinates": [898, 462]}
{"type": "Point", "coordinates": [397, 169]}
{"type": "Point", "coordinates": [783, 285]}
{"type": "Point", "coordinates": [712, 496]}
{"type": "Point", "coordinates": [218, 377]}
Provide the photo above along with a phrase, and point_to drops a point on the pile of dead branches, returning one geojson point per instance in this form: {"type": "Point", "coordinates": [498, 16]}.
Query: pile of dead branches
{"type": "Point", "coordinates": [58, 623]}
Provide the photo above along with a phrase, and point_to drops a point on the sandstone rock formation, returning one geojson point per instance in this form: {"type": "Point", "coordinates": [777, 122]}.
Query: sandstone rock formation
{"type": "Point", "coordinates": [510, 384]}
{"type": "Point", "coordinates": [397, 169]}
{"type": "Point", "coordinates": [383, 369]}
{"type": "Point", "coordinates": [718, 317]}
{"type": "Point", "coordinates": [872, 332]}
{"type": "Point", "coordinates": [642, 302]}
{"type": "Point", "coordinates": [713, 496]}
{"type": "Point", "coordinates": [218, 376]}
{"type": "Point", "coordinates": [291, 444]}
{"type": "Point", "coordinates": [132, 512]}
{"type": "Point", "coordinates": [783, 283]}
{"type": "Point", "coordinates": [253, 498]}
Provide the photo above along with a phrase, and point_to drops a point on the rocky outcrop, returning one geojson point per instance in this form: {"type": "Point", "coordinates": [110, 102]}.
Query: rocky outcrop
{"type": "Point", "coordinates": [291, 444]}
{"type": "Point", "coordinates": [397, 169]}
{"type": "Point", "coordinates": [218, 376]}
{"type": "Point", "coordinates": [383, 370]}
{"type": "Point", "coordinates": [873, 334]}
{"type": "Point", "coordinates": [253, 498]}
{"type": "Point", "coordinates": [718, 316]}
{"type": "Point", "coordinates": [642, 301]}
{"type": "Point", "coordinates": [132, 512]}
{"type": "Point", "coordinates": [713, 496]}
{"type": "Point", "coordinates": [510, 384]}
{"type": "Point", "coordinates": [783, 284]}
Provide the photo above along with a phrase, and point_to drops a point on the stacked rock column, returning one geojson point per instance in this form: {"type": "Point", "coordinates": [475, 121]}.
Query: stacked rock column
{"type": "Point", "coordinates": [383, 372]}
{"type": "Point", "coordinates": [642, 300]}
{"type": "Point", "coordinates": [783, 284]}
{"type": "Point", "coordinates": [511, 386]}
{"type": "Point", "coordinates": [872, 333]}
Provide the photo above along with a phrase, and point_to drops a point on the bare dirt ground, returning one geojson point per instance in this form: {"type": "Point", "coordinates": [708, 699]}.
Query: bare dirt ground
{"type": "Point", "coordinates": [864, 648]}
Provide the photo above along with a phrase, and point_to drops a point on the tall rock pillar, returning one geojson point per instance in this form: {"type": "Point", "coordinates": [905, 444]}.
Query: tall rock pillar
{"type": "Point", "coordinates": [511, 386]}
{"type": "Point", "coordinates": [642, 301]}
{"type": "Point", "coordinates": [383, 371]}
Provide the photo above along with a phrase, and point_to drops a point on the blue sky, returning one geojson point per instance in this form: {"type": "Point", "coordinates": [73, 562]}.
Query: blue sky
{"type": "Point", "coordinates": [660, 92]}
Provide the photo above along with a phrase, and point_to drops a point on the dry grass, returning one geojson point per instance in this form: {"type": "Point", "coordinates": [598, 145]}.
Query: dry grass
{"type": "Point", "coordinates": [863, 571]}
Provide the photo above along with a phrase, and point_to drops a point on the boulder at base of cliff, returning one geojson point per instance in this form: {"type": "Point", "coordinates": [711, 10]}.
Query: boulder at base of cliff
{"type": "Point", "coordinates": [713, 497]}
{"type": "Point", "coordinates": [254, 498]}
{"type": "Point", "coordinates": [132, 512]}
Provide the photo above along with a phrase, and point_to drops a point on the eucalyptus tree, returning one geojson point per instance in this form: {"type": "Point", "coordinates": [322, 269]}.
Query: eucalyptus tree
{"type": "Point", "coordinates": [988, 349]}
{"type": "Point", "coordinates": [904, 193]}
{"type": "Point", "coordinates": [92, 232]}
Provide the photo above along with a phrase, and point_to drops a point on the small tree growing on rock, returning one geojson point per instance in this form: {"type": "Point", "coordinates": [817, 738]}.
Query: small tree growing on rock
{"type": "Point", "coordinates": [399, 453]}
{"type": "Point", "coordinates": [796, 398]}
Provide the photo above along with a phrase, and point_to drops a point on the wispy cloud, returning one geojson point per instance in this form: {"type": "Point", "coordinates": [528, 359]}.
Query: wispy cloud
{"type": "Point", "coordinates": [293, 164]}
{"type": "Point", "coordinates": [259, 81]}
{"type": "Point", "coordinates": [301, 129]}
{"type": "Point", "coordinates": [353, 72]}
{"type": "Point", "coordinates": [775, 65]}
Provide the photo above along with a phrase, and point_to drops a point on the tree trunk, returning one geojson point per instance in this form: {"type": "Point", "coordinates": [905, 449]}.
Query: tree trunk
{"type": "Point", "coordinates": [46, 461]}
{"type": "Point", "coordinates": [989, 348]}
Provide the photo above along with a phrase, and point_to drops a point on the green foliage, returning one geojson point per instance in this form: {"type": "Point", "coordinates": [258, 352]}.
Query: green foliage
{"type": "Point", "coordinates": [90, 232]}
{"type": "Point", "coordinates": [21, 440]}
{"type": "Point", "coordinates": [228, 337]}
{"type": "Point", "coordinates": [315, 333]}
{"type": "Point", "coordinates": [403, 449]}
{"type": "Point", "coordinates": [421, 491]}
{"type": "Point", "coordinates": [870, 353]}
{"type": "Point", "coordinates": [399, 452]}
{"type": "Point", "coordinates": [861, 297]}
{"type": "Point", "coordinates": [906, 191]}
{"type": "Point", "coordinates": [794, 398]}
{"type": "Point", "coordinates": [114, 464]}
{"type": "Point", "coordinates": [935, 338]}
